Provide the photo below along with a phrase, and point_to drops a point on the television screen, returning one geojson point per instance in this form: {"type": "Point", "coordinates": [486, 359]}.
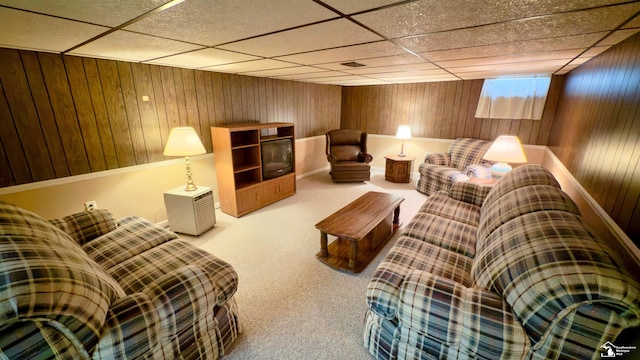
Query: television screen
{"type": "Point", "coordinates": [277, 158]}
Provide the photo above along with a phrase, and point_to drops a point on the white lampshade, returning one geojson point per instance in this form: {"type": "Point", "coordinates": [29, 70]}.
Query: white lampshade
{"type": "Point", "coordinates": [504, 150]}
{"type": "Point", "coordinates": [183, 141]}
{"type": "Point", "coordinates": [404, 132]}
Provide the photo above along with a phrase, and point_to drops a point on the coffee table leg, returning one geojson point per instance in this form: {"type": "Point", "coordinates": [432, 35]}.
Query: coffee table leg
{"type": "Point", "coordinates": [353, 257]}
{"type": "Point", "coordinates": [323, 244]}
{"type": "Point", "coordinates": [396, 218]}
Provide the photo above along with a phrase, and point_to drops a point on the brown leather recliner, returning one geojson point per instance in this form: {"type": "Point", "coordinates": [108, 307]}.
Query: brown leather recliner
{"type": "Point", "coordinates": [347, 153]}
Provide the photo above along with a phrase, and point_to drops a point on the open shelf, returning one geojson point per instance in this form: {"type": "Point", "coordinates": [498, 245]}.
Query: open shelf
{"type": "Point", "coordinates": [239, 169]}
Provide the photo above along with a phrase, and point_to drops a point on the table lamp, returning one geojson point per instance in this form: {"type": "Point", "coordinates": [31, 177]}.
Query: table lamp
{"type": "Point", "coordinates": [184, 141]}
{"type": "Point", "coordinates": [504, 150]}
{"type": "Point", "coordinates": [404, 132]}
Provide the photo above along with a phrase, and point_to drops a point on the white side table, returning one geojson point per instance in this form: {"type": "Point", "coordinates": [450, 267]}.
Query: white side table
{"type": "Point", "coordinates": [190, 212]}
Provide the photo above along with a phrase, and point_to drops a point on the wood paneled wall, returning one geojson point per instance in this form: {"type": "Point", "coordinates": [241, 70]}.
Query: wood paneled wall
{"type": "Point", "coordinates": [442, 110]}
{"type": "Point", "coordinates": [596, 133]}
{"type": "Point", "coordinates": [67, 115]}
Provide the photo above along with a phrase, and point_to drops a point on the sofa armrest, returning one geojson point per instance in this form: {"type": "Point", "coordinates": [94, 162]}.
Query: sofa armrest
{"type": "Point", "coordinates": [442, 159]}
{"type": "Point", "coordinates": [87, 225]}
{"type": "Point", "coordinates": [145, 322]}
{"type": "Point", "coordinates": [331, 158]}
{"type": "Point", "coordinates": [364, 157]}
{"type": "Point", "coordinates": [478, 171]}
{"type": "Point", "coordinates": [468, 318]}
{"type": "Point", "coordinates": [471, 193]}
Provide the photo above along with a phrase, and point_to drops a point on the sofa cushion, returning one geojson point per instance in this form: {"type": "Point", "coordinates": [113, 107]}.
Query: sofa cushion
{"type": "Point", "coordinates": [441, 204]}
{"type": "Point", "coordinates": [521, 201]}
{"type": "Point", "coordinates": [465, 322]}
{"type": "Point", "coordinates": [85, 226]}
{"type": "Point", "coordinates": [406, 255]}
{"type": "Point", "coordinates": [50, 282]}
{"type": "Point", "coordinates": [546, 264]}
{"type": "Point", "coordinates": [133, 236]}
{"type": "Point", "coordinates": [521, 176]}
{"type": "Point", "coordinates": [445, 233]}
{"type": "Point", "coordinates": [137, 272]}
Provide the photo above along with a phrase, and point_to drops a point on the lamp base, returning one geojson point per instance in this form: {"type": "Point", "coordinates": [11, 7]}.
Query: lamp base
{"type": "Point", "coordinates": [402, 155]}
{"type": "Point", "coordinates": [498, 170]}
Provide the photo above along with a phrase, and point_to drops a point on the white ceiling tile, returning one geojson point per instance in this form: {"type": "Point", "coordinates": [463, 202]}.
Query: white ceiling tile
{"type": "Point", "coordinates": [347, 53]}
{"type": "Point", "coordinates": [594, 51]}
{"type": "Point", "coordinates": [377, 61]}
{"type": "Point", "coordinates": [563, 56]}
{"type": "Point", "coordinates": [617, 36]}
{"type": "Point", "coordinates": [285, 71]}
{"type": "Point", "coordinates": [24, 30]}
{"type": "Point", "coordinates": [576, 23]}
{"type": "Point", "coordinates": [124, 45]}
{"type": "Point", "coordinates": [109, 13]}
{"type": "Point", "coordinates": [314, 75]}
{"type": "Point", "coordinates": [423, 17]}
{"type": "Point", "coordinates": [308, 40]}
{"type": "Point", "coordinates": [353, 6]}
{"type": "Point", "coordinates": [248, 66]}
{"type": "Point", "coordinates": [325, 35]}
{"type": "Point", "coordinates": [215, 22]}
{"type": "Point", "coordinates": [390, 69]}
{"type": "Point", "coordinates": [514, 48]}
{"type": "Point", "coordinates": [203, 58]}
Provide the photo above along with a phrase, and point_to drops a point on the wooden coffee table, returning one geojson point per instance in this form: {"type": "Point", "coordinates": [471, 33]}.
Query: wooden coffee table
{"type": "Point", "coordinates": [362, 228]}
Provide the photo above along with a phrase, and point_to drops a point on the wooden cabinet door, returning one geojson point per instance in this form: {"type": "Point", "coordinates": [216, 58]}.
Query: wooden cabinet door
{"type": "Point", "coordinates": [279, 188]}
{"type": "Point", "coordinates": [249, 199]}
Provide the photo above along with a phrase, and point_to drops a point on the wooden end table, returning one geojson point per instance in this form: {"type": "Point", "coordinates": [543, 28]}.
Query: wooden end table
{"type": "Point", "coordinates": [398, 168]}
{"type": "Point", "coordinates": [362, 228]}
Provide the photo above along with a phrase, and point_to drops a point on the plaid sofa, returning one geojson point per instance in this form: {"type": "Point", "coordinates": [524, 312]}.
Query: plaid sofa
{"type": "Point", "coordinates": [504, 273]}
{"type": "Point", "coordinates": [88, 286]}
{"type": "Point", "coordinates": [464, 160]}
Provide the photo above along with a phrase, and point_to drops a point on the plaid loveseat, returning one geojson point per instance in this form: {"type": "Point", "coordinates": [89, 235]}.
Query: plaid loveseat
{"type": "Point", "coordinates": [463, 160]}
{"type": "Point", "coordinates": [506, 273]}
{"type": "Point", "coordinates": [90, 287]}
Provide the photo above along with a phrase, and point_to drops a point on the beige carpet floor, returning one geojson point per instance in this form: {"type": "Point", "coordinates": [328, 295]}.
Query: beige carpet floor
{"type": "Point", "coordinates": [291, 305]}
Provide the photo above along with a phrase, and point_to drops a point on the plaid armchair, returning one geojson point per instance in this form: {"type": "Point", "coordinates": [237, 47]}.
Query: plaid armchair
{"type": "Point", "coordinates": [463, 161]}
{"type": "Point", "coordinates": [88, 286]}
{"type": "Point", "coordinates": [512, 274]}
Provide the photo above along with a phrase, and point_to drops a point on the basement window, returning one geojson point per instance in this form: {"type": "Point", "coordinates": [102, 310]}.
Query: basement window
{"type": "Point", "coordinates": [513, 98]}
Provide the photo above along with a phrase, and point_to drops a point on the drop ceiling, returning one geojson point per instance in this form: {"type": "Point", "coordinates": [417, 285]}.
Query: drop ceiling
{"type": "Point", "coordinates": [310, 40]}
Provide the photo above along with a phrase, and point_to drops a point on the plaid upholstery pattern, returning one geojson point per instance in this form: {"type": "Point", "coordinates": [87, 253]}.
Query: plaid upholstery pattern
{"type": "Point", "coordinates": [53, 297]}
{"type": "Point", "coordinates": [469, 193]}
{"type": "Point", "coordinates": [440, 171]}
{"type": "Point", "coordinates": [137, 291]}
{"type": "Point", "coordinates": [541, 285]}
{"type": "Point", "coordinates": [86, 226]}
{"type": "Point", "coordinates": [467, 151]}
{"type": "Point", "coordinates": [443, 205]}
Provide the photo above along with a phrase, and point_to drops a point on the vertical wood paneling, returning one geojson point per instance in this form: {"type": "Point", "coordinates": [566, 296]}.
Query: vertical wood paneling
{"type": "Point", "coordinates": [85, 113]}
{"type": "Point", "coordinates": [596, 131]}
{"type": "Point", "coordinates": [65, 115]}
{"type": "Point", "coordinates": [438, 110]}
{"type": "Point", "coordinates": [45, 113]}
{"type": "Point", "coordinates": [99, 106]}
{"type": "Point", "coordinates": [56, 80]}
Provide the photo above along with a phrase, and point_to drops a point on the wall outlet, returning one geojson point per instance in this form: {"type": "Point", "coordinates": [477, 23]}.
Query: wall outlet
{"type": "Point", "coordinates": [90, 205]}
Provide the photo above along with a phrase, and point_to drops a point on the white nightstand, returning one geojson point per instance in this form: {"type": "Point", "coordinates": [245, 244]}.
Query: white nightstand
{"type": "Point", "coordinates": [190, 212]}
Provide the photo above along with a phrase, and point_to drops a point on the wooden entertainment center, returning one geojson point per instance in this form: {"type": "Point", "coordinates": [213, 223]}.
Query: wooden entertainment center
{"type": "Point", "coordinates": [237, 153]}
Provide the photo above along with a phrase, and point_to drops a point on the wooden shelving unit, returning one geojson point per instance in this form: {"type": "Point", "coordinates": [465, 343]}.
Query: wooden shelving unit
{"type": "Point", "coordinates": [239, 166]}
